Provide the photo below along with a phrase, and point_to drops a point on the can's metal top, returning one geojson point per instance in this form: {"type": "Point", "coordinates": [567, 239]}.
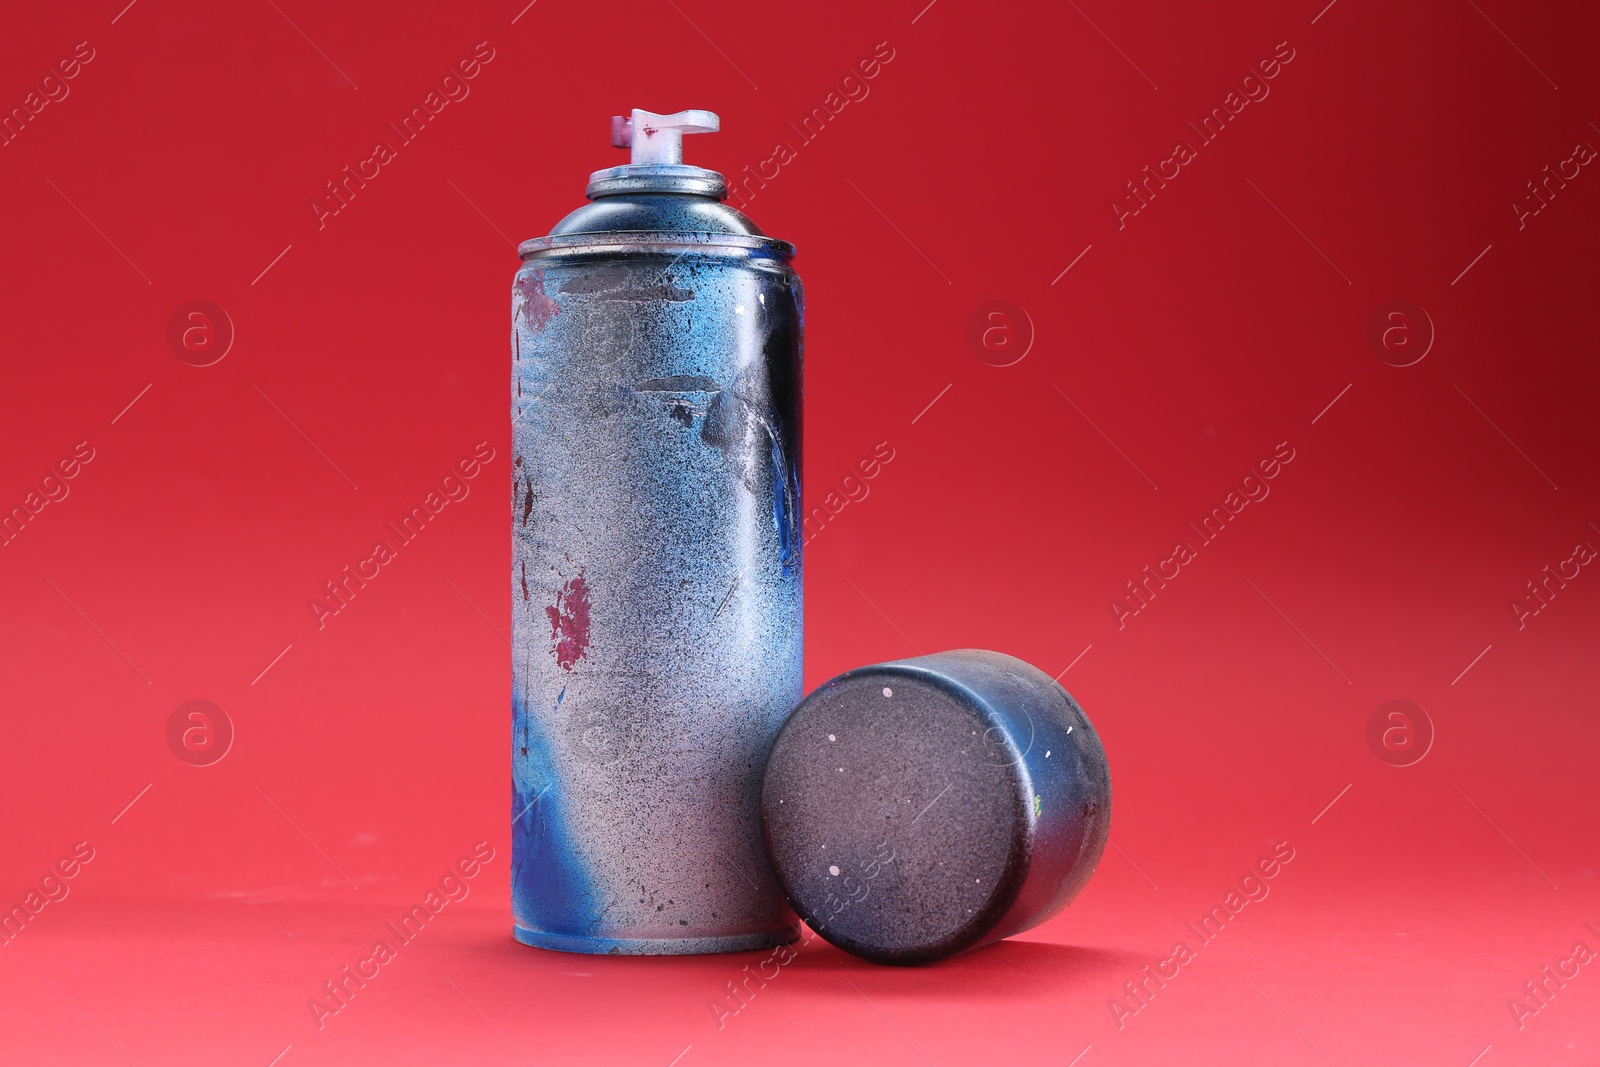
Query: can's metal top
{"type": "Point", "coordinates": [656, 197]}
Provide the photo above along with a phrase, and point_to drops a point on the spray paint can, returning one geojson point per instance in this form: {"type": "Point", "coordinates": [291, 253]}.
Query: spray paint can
{"type": "Point", "coordinates": [656, 559]}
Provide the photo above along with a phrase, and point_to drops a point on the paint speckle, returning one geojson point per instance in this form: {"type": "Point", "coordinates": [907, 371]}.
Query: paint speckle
{"type": "Point", "coordinates": [569, 622]}
{"type": "Point", "coordinates": [1047, 753]}
{"type": "Point", "coordinates": [833, 871]}
{"type": "Point", "coordinates": [832, 738]}
{"type": "Point", "coordinates": [1038, 805]}
{"type": "Point", "coordinates": [679, 383]}
{"type": "Point", "coordinates": [888, 692]}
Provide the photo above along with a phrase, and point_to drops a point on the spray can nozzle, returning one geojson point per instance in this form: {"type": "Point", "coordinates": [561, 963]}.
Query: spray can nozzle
{"type": "Point", "coordinates": [659, 138]}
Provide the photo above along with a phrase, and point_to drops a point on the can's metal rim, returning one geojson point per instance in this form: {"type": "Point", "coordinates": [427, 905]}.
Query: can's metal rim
{"type": "Point", "coordinates": [656, 178]}
{"type": "Point", "coordinates": [652, 240]}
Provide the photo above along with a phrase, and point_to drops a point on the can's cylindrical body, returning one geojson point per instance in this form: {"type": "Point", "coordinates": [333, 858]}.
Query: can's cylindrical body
{"type": "Point", "coordinates": [656, 570]}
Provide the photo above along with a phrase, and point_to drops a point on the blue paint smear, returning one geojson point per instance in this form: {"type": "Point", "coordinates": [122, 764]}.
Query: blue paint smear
{"type": "Point", "coordinates": [550, 890]}
{"type": "Point", "coordinates": [785, 508]}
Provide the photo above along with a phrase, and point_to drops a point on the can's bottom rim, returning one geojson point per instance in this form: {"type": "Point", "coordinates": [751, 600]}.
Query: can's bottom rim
{"type": "Point", "coordinates": [651, 946]}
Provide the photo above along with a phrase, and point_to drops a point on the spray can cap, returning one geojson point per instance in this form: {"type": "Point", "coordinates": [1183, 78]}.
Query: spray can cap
{"type": "Point", "coordinates": [656, 139]}
{"type": "Point", "coordinates": [656, 162]}
{"type": "Point", "coordinates": [656, 196]}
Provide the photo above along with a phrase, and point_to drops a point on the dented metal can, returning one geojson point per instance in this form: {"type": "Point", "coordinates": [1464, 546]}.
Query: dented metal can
{"type": "Point", "coordinates": [656, 560]}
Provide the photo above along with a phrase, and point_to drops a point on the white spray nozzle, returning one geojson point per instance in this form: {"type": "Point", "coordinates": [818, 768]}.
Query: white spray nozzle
{"type": "Point", "coordinates": [659, 138]}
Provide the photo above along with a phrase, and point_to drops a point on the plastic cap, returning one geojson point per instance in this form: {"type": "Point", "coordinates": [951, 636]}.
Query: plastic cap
{"type": "Point", "coordinates": [919, 808]}
{"type": "Point", "coordinates": [659, 138]}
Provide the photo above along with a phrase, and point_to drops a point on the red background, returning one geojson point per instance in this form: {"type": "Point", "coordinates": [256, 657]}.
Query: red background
{"type": "Point", "coordinates": [1220, 321]}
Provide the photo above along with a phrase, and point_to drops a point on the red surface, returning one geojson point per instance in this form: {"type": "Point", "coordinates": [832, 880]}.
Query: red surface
{"type": "Point", "coordinates": [1220, 321]}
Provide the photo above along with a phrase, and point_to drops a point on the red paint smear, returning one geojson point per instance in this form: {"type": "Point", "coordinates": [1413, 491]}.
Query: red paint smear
{"type": "Point", "coordinates": [569, 622]}
{"type": "Point", "coordinates": [524, 581]}
{"type": "Point", "coordinates": [540, 309]}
